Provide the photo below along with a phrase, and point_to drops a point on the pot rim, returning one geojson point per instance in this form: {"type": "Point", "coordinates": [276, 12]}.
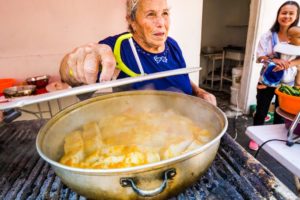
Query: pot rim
{"type": "Point", "coordinates": [135, 169]}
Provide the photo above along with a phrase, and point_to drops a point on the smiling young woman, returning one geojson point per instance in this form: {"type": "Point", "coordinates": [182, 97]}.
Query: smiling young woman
{"type": "Point", "coordinates": [287, 16]}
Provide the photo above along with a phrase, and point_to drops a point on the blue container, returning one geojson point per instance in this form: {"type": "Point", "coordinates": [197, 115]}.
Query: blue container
{"type": "Point", "coordinates": [270, 77]}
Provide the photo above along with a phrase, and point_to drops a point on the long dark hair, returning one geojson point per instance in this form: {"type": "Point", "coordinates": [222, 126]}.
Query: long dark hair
{"type": "Point", "coordinates": [276, 26]}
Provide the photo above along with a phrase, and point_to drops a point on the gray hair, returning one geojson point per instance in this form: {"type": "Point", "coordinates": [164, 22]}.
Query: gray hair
{"type": "Point", "coordinates": [131, 7]}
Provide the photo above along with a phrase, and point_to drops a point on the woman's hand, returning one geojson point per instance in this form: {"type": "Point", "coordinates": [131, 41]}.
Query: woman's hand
{"type": "Point", "coordinates": [198, 92]}
{"type": "Point", "coordinates": [280, 64]}
{"type": "Point", "coordinates": [82, 65]}
{"type": "Point", "coordinates": [206, 96]}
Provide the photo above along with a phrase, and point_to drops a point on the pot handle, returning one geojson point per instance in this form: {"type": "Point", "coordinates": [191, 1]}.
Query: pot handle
{"type": "Point", "coordinates": [129, 182]}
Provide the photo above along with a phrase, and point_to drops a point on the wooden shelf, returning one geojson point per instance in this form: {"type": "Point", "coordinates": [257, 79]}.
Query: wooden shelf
{"type": "Point", "coordinates": [227, 78]}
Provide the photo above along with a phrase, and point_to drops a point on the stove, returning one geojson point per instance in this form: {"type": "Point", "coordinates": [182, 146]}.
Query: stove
{"type": "Point", "coordinates": [234, 174]}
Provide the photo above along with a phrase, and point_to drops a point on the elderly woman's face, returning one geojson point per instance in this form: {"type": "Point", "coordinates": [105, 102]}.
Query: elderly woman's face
{"type": "Point", "coordinates": [151, 25]}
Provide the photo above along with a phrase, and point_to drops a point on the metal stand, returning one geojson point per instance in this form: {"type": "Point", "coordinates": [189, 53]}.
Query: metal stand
{"type": "Point", "coordinates": [230, 54]}
{"type": "Point", "coordinates": [11, 114]}
{"type": "Point", "coordinates": [291, 138]}
{"type": "Point", "coordinates": [212, 58]}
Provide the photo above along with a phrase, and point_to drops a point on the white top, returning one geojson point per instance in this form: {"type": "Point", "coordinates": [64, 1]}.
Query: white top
{"type": "Point", "coordinates": [265, 46]}
{"type": "Point", "coordinates": [287, 49]}
{"type": "Point", "coordinates": [288, 52]}
{"type": "Point", "coordinates": [285, 155]}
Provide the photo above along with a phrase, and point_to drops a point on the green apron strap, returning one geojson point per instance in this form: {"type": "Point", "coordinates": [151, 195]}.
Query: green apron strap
{"type": "Point", "coordinates": [117, 52]}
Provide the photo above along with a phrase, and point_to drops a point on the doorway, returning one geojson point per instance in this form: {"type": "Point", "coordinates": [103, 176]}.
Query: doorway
{"type": "Point", "coordinates": [230, 23]}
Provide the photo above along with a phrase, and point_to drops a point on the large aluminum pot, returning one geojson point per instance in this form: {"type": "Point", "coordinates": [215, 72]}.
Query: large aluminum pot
{"type": "Point", "coordinates": [159, 180]}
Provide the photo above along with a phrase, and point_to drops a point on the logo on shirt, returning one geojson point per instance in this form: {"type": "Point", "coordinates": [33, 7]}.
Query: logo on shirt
{"type": "Point", "coordinates": [159, 59]}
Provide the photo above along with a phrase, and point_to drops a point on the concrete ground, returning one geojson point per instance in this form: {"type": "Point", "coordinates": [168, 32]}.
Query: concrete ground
{"type": "Point", "coordinates": [236, 128]}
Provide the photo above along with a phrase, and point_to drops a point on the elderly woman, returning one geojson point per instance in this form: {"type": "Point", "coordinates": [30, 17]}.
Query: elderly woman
{"type": "Point", "coordinates": [149, 22]}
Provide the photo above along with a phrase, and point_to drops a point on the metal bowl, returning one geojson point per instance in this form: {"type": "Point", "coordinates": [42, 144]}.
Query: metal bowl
{"type": "Point", "coordinates": [288, 123]}
{"type": "Point", "coordinates": [19, 91]}
{"type": "Point", "coordinates": [38, 81]}
{"type": "Point", "coordinates": [159, 180]}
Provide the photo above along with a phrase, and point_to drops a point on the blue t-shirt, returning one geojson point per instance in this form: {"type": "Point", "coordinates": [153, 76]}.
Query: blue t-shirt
{"type": "Point", "coordinates": [171, 58]}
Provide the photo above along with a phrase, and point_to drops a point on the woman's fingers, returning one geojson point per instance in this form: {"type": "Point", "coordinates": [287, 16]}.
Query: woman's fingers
{"type": "Point", "coordinates": [81, 55]}
{"type": "Point", "coordinates": [280, 65]}
{"type": "Point", "coordinates": [91, 67]}
{"type": "Point", "coordinates": [210, 98]}
{"type": "Point", "coordinates": [206, 96]}
{"type": "Point", "coordinates": [82, 65]}
{"type": "Point", "coordinates": [278, 68]}
{"type": "Point", "coordinates": [284, 64]}
{"type": "Point", "coordinates": [68, 71]}
{"type": "Point", "coordinates": [107, 73]}
{"type": "Point", "coordinates": [108, 63]}
{"type": "Point", "coordinates": [75, 60]}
